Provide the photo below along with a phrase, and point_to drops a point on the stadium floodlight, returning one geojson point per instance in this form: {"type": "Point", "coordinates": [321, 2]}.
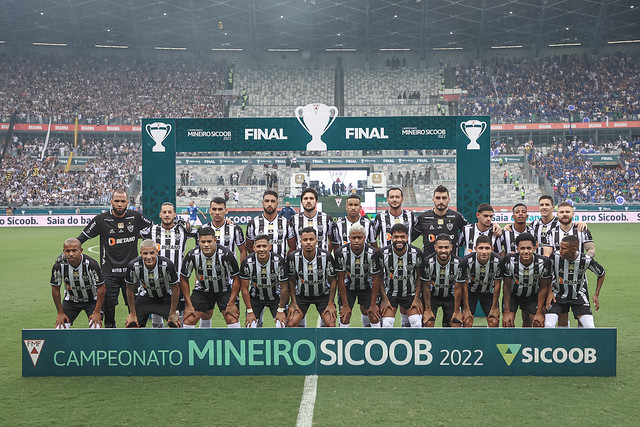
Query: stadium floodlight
{"type": "Point", "coordinates": [623, 41]}
{"type": "Point", "coordinates": [271, 49]}
{"type": "Point", "coordinates": [515, 46]}
{"type": "Point", "coordinates": [111, 46]}
{"type": "Point", "coordinates": [564, 44]}
{"type": "Point", "coordinates": [448, 48]}
{"type": "Point", "coordinates": [227, 49]}
{"type": "Point", "coordinates": [49, 44]}
{"type": "Point", "coordinates": [394, 49]}
{"type": "Point", "coordinates": [169, 48]}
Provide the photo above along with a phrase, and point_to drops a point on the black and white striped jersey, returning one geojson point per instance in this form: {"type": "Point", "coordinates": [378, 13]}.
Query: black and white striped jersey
{"type": "Point", "coordinates": [508, 240]}
{"type": "Point", "coordinates": [79, 282]}
{"type": "Point", "coordinates": [342, 226]}
{"type": "Point", "coordinates": [155, 283]}
{"type": "Point", "coordinates": [539, 229]}
{"type": "Point", "coordinates": [321, 222]}
{"type": "Point", "coordinates": [228, 235]}
{"type": "Point", "coordinates": [384, 221]}
{"type": "Point", "coordinates": [277, 230]}
{"type": "Point", "coordinates": [443, 279]}
{"type": "Point", "coordinates": [171, 242]}
{"type": "Point", "coordinates": [482, 277]}
{"type": "Point", "coordinates": [469, 235]}
{"type": "Point", "coordinates": [213, 273]}
{"type": "Point", "coordinates": [570, 277]}
{"type": "Point", "coordinates": [525, 279]}
{"type": "Point", "coordinates": [311, 276]}
{"type": "Point", "coordinates": [358, 269]}
{"type": "Point", "coordinates": [265, 280]}
{"type": "Point", "coordinates": [555, 236]}
{"type": "Point", "coordinates": [401, 272]}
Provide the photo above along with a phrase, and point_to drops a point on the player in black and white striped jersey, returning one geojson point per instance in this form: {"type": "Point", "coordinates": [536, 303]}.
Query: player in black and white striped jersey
{"type": "Point", "coordinates": [566, 227]}
{"type": "Point", "coordinates": [271, 224]}
{"type": "Point", "coordinates": [569, 285]}
{"type": "Point", "coordinates": [445, 276]}
{"type": "Point", "coordinates": [358, 267]}
{"type": "Point", "coordinates": [152, 287]}
{"type": "Point", "coordinates": [402, 267]}
{"type": "Point", "coordinates": [342, 225]}
{"type": "Point", "coordinates": [310, 217]}
{"type": "Point", "coordinates": [484, 227]}
{"type": "Point", "coordinates": [263, 277]}
{"type": "Point", "coordinates": [171, 239]}
{"type": "Point", "coordinates": [217, 281]}
{"type": "Point", "coordinates": [526, 278]}
{"type": "Point", "coordinates": [312, 280]}
{"type": "Point", "coordinates": [84, 287]}
{"type": "Point", "coordinates": [485, 277]}
{"type": "Point", "coordinates": [508, 239]}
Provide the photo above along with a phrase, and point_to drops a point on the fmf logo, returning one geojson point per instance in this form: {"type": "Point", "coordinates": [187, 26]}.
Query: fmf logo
{"type": "Point", "coordinates": [365, 133]}
{"type": "Point", "coordinates": [266, 134]}
{"type": "Point", "coordinates": [34, 348]}
{"type": "Point", "coordinates": [547, 354]}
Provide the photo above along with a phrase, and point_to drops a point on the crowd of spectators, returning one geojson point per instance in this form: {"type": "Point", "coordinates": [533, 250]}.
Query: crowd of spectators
{"type": "Point", "coordinates": [541, 90]}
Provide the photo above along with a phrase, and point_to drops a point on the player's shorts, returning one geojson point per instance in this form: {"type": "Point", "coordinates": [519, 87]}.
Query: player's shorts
{"type": "Point", "coordinates": [526, 304]}
{"type": "Point", "coordinates": [447, 304]}
{"type": "Point", "coordinates": [486, 301]}
{"type": "Point", "coordinates": [363, 296]}
{"type": "Point", "coordinates": [258, 305]}
{"type": "Point", "coordinates": [113, 286]}
{"type": "Point", "coordinates": [146, 305]}
{"type": "Point", "coordinates": [321, 302]}
{"type": "Point", "coordinates": [205, 301]}
{"type": "Point", "coordinates": [579, 306]}
{"type": "Point", "coordinates": [72, 309]}
{"type": "Point", "coordinates": [404, 302]}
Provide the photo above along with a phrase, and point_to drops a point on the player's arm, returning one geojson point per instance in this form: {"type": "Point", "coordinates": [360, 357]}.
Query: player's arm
{"type": "Point", "coordinates": [249, 247]}
{"type": "Point", "coordinates": [417, 304]}
{"type": "Point", "coordinates": [464, 301]}
{"type": "Point", "coordinates": [244, 289]}
{"type": "Point", "coordinates": [345, 310]}
{"type": "Point", "coordinates": [538, 318]}
{"type": "Point", "coordinates": [427, 315]}
{"type": "Point", "coordinates": [507, 315]}
{"type": "Point", "coordinates": [61, 318]}
{"type": "Point", "coordinates": [132, 318]}
{"type": "Point", "coordinates": [331, 307]}
{"type": "Point", "coordinates": [495, 304]}
{"type": "Point", "coordinates": [292, 242]}
{"type": "Point", "coordinates": [374, 312]}
{"type": "Point", "coordinates": [293, 305]}
{"type": "Point", "coordinates": [232, 309]}
{"type": "Point", "coordinates": [96, 316]}
{"type": "Point", "coordinates": [243, 251]}
{"type": "Point", "coordinates": [596, 295]}
{"type": "Point", "coordinates": [497, 230]}
{"type": "Point", "coordinates": [458, 291]}
{"type": "Point", "coordinates": [581, 226]}
{"type": "Point", "coordinates": [590, 249]}
{"type": "Point", "coordinates": [281, 315]}
{"type": "Point", "coordinates": [186, 293]}
{"type": "Point", "coordinates": [174, 320]}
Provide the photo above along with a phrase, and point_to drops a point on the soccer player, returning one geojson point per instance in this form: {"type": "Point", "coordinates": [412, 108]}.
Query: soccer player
{"type": "Point", "coordinates": [444, 277]}
{"type": "Point", "coordinates": [310, 217]}
{"type": "Point", "coordinates": [342, 225]}
{"type": "Point", "coordinates": [156, 280]}
{"type": "Point", "coordinates": [484, 227]}
{"type": "Point", "coordinates": [519, 226]}
{"type": "Point", "coordinates": [569, 287]}
{"type": "Point", "coordinates": [171, 239]}
{"type": "Point", "coordinates": [566, 227]}
{"type": "Point", "coordinates": [193, 210]}
{"type": "Point", "coordinates": [526, 278]}
{"type": "Point", "coordinates": [84, 288]}
{"type": "Point", "coordinates": [263, 278]}
{"type": "Point", "coordinates": [402, 267]}
{"type": "Point", "coordinates": [271, 224]}
{"type": "Point", "coordinates": [358, 267]}
{"type": "Point", "coordinates": [217, 281]}
{"type": "Point", "coordinates": [483, 266]}
{"type": "Point", "coordinates": [119, 231]}
{"type": "Point", "coordinates": [312, 280]}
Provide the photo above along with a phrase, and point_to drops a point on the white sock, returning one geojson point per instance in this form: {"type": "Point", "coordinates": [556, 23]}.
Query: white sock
{"type": "Point", "coordinates": [587, 321]}
{"type": "Point", "coordinates": [387, 322]}
{"type": "Point", "coordinates": [404, 320]}
{"type": "Point", "coordinates": [375, 325]}
{"type": "Point", "coordinates": [253, 324]}
{"type": "Point", "coordinates": [415, 320]}
{"type": "Point", "coordinates": [366, 322]}
{"type": "Point", "coordinates": [233, 325]}
{"type": "Point", "coordinates": [279, 324]}
{"type": "Point", "coordinates": [322, 323]}
{"type": "Point", "coordinates": [550, 320]}
{"type": "Point", "coordinates": [205, 323]}
{"type": "Point", "coordinates": [157, 321]}
{"type": "Point", "coordinates": [188, 326]}
{"type": "Point", "coordinates": [64, 326]}
{"type": "Point", "coordinates": [344, 325]}
{"type": "Point", "coordinates": [303, 323]}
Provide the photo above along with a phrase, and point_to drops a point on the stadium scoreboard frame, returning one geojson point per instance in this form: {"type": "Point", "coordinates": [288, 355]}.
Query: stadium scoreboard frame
{"type": "Point", "coordinates": [470, 136]}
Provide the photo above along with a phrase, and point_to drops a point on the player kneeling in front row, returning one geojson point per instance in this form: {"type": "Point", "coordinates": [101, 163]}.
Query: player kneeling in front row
{"type": "Point", "coordinates": [158, 291]}
{"type": "Point", "coordinates": [214, 266]}
{"type": "Point", "coordinates": [484, 283]}
{"type": "Point", "coordinates": [444, 279]}
{"type": "Point", "coordinates": [402, 264]}
{"type": "Point", "coordinates": [312, 280]}
{"type": "Point", "coordinates": [358, 267]}
{"type": "Point", "coordinates": [84, 287]}
{"type": "Point", "coordinates": [526, 280]}
{"type": "Point", "coordinates": [264, 283]}
{"type": "Point", "coordinates": [569, 287]}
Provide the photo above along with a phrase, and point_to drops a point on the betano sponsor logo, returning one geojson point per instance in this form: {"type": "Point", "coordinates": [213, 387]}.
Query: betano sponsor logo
{"type": "Point", "coordinates": [548, 355]}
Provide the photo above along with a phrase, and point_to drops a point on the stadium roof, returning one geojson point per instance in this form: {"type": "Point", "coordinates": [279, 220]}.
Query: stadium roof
{"type": "Point", "coordinates": [316, 25]}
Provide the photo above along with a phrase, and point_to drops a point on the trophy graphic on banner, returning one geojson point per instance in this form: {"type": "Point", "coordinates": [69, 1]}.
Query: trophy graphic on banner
{"type": "Point", "coordinates": [158, 131]}
{"type": "Point", "coordinates": [473, 129]}
{"type": "Point", "coordinates": [316, 119]}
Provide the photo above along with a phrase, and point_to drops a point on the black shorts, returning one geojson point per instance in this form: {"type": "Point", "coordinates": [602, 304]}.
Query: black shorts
{"type": "Point", "coordinates": [205, 301]}
{"type": "Point", "coordinates": [526, 304]}
{"type": "Point", "coordinates": [145, 305]}
{"type": "Point", "coordinates": [447, 304]}
{"type": "Point", "coordinates": [364, 298]}
{"type": "Point", "coordinates": [404, 302]}
{"type": "Point", "coordinates": [486, 301]}
{"type": "Point", "coordinates": [321, 302]}
{"type": "Point", "coordinates": [579, 306]}
{"type": "Point", "coordinates": [258, 305]}
{"type": "Point", "coordinates": [72, 309]}
{"type": "Point", "coordinates": [114, 285]}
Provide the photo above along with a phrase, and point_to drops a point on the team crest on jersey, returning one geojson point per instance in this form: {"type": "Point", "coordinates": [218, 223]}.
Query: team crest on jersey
{"type": "Point", "coordinates": [410, 268]}
{"type": "Point", "coordinates": [580, 271]}
{"type": "Point", "coordinates": [130, 228]}
{"type": "Point", "coordinates": [449, 226]}
{"type": "Point", "coordinates": [218, 268]}
{"type": "Point", "coordinates": [280, 232]}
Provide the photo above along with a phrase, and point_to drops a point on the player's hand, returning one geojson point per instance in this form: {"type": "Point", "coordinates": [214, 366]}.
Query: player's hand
{"type": "Point", "coordinates": [582, 226]}
{"type": "Point", "coordinates": [508, 319]}
{"type": "Point", "coordinates": [180, 222]}
{"type": "Point", "coordinates": [384, 305]}
{"type": "Point", "coordinates": [551, 298]}
{"type": "Point", "coordinates": [538, 320]}
{"type": "Point", "coordinates": [232, 310]}
{"type": "Point", "coordinates": [132, 321]}
{"type": "Point", "coordinates": [61, 321]}
{"type": "Point", "coordinates": [251, 317]}
{"type": "Point", "coordinates": [596, 302]}
{"type": "Point", "coordinates": [508, 228]}
{"type": "Point", "coordinates": [95, 320]}
{"type": "Point", "coordinates": [466, 314]}
{"type": "Point", "coordinates": [374, 313]}
{"type": "Point", "coordinates": [427, 316]}
{"type": "Point", "coordinates": [416, 305]}
{"type": "Point", "coordinates": [332, 312]}
{"type": "Point", "coordinates": [188, 312]}
{"type": "Point", "coordinates": [495, 313]}
{"type": "Point", "coordinates": [345, 315]}
{"type": "Point", "coordinates": [497, 231]}
{"type": "Point", "coordinates": [228, 221]}
{"type": "Point", "coordinates": [174, 320]}
{"type": "Point", "coordinates": [282, 317]}
{"type": "Point", "coordinates": [456, 319]}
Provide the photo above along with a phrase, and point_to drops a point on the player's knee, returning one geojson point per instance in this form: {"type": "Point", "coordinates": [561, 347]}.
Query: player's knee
{"type": "Point", "coordinates": [587, 321]}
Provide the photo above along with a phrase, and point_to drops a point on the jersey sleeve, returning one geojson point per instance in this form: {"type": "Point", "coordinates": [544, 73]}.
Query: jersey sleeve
{"type": "Point", "coordinates": [546, 268]}
{"type": "Point", "coordinates": [377, 225]}
{"type": "Point", "coordinates": [331, 270]}
{"type": "Point", "coordinates": [339, 264]}
{"type": "Point", "coordinates": [371, 233]}
{"type": "Point", "coordinates": [336, 239]}
{"type": "Point", "coordinates": [231, 264]}
{"type": "Point", "coordinates": [245, 271]}
{"type": "Point", "coordinates": [290, 265]}
{"type": "Point", "coordinates": [425, 275]}
{"type": "Point", "coordinates": [505, 271]}
{"type": "Point", "coordinates": [586, 234]}
{"type": "Point", "coordinates": [143, 224]}
{"type": "Point", "coordinates": [281, 269]}
{"type": "Point", "coordinates": [188, 264]}
{"type": "Point", "coordinates": [463, 272]}
{"type": "Point", "coordinates": [239, 236]}
{"type": "Point", "coordinates": [171, 271]}
{"type": "Point", "coordinates": [131, 277]}
{"type": "Point", "coordinates": [96, 271]}
{"type": "Point", "coordinates": [56, 275]}
{"type": "Point", "coordinates": [251, 234]}
{"type": "Point", "coordinates": [595, 267]}
{"type": "Point", "coordinates": [91, 230]}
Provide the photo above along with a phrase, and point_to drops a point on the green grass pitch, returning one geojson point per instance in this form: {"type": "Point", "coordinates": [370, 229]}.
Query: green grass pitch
{"type": "Point", "coordinates": [27, 255]}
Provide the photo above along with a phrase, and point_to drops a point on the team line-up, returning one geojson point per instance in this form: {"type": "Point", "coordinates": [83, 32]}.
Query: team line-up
{"type": "Point", "coordinates": [290, 261]}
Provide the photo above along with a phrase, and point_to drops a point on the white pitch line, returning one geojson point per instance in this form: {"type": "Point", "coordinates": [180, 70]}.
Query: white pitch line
{"type": "Point", "coordinates": [93, 249]}
{"type": "Point", "coordinates": [308, 401]}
